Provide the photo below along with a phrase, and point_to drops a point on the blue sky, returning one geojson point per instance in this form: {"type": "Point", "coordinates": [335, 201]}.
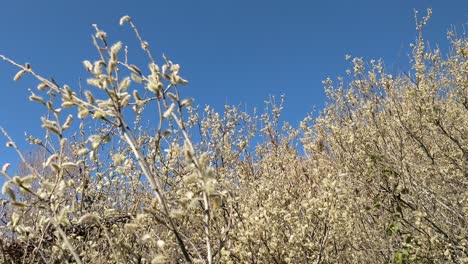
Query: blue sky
{"type": "Point", "coordinates": [231, 51]}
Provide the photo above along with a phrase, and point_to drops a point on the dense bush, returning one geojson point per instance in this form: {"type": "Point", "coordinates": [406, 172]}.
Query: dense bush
{"type": "Point", "coordinates": [379, 177]}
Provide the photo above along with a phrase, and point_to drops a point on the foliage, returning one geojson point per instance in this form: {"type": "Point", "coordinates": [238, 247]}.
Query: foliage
{"type": "Point", "coordinates": [119, 178]}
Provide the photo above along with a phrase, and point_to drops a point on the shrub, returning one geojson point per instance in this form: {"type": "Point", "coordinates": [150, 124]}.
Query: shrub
{"type": "Point", "coordinates": [382, 176]}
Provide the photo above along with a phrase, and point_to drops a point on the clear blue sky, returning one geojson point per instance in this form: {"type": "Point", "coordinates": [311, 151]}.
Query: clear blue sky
{"type": "Point", "coordinates": [232, 52]}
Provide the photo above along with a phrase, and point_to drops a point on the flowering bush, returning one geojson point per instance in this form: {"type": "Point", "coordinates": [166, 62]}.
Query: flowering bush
{"type": "Point", "coordinates": [379, 177]}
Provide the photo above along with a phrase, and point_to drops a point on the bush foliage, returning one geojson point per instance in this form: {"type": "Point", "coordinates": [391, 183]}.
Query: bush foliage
{"type": "Point", "coordinates": [379, 177]}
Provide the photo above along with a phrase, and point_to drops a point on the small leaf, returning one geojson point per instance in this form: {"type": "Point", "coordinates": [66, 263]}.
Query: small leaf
{"type": "Point", "coordinates": [55, 167]}
{"type": "Point", "coordinates": [18, 204]}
